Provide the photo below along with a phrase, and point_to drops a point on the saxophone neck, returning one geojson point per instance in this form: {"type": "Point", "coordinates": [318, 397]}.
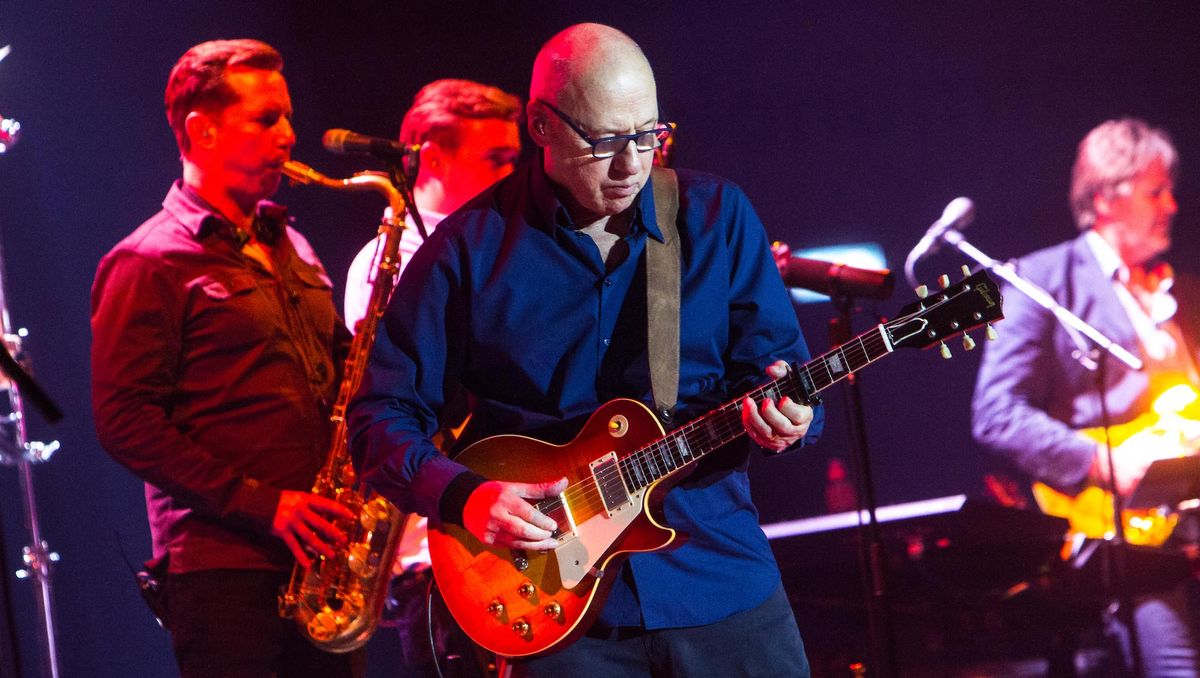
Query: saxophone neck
{"type": "Point", "coordinates": [301, 173]}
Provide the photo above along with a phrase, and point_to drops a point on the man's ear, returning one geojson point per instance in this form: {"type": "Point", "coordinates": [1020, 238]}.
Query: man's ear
{"type": "Point", "coordinates": [1101, 204]}
{"type": "Point", "coordinates": [537, 129]}
{"type": "Point", "coordinates": [201, 129]}
{"type": "Point", "coordinates": [433, 160]}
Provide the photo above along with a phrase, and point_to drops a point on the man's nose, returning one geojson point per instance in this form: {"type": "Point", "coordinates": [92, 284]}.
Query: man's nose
{"type": "Point", "coordinates": [629, 160]}
{"type": "Point", "coordinates": [1168, 202]}
{"type": "Point", "coordinates": [287, 132]}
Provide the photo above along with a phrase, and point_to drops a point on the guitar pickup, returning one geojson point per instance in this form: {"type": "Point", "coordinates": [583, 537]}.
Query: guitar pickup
{"type": "Point", "coordinates": [606, 473]}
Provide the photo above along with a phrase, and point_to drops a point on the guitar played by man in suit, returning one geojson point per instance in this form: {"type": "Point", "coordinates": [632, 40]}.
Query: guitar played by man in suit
{"type": "Point", "coordinates": [1034, 400]}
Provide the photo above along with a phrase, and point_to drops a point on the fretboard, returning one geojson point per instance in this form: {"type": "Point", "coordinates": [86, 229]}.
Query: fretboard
{"type": "Point", "coordinates": [724, 424]}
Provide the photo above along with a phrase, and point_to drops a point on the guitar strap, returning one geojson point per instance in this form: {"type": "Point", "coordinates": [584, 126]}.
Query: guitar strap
{"type": "Point", "coordinates": [663, 272]}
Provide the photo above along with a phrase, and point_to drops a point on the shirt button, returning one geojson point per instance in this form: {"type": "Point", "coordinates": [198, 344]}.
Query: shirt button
{"type": "Point", "coordinates": [608, 282]}
{"type": "Point", "coordinates": [607, 342]}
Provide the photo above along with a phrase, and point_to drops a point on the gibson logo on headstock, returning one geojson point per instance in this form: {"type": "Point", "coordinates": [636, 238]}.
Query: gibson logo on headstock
{"type": "Point", "coordinates": [984, 291]}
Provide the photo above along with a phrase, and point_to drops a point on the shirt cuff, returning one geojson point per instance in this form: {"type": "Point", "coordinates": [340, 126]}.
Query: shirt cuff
{"type": "Point", "coordinates": [256, 505]}
{"type": "Point", "coordinates": [454, 498]}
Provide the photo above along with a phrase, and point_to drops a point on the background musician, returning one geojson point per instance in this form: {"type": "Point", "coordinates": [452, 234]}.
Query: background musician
{"type": "Point", "coordinates": [213, 368]}
{"type": "Point", "coordinates": [469, 139]}
{"type": "Point", "coordinates": [1033, 398]}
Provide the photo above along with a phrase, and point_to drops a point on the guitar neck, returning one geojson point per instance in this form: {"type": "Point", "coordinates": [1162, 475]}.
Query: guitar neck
{"type": "Point", "coordinates": [723, 425]}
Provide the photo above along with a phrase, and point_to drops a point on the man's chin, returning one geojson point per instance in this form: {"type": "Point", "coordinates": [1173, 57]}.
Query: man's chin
{"type": "Point", "coordinates": [270, 185]}
{"type": "Point", "coordinates": [611, 207]}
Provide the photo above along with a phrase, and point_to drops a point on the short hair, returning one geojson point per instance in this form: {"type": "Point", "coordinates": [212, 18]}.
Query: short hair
{"type": "Point", "coordinates": [440, 106]}
{"type": "Point", "coordinates": [1111, 154]}
{"type": "Point", "coordinates": [197, 81]}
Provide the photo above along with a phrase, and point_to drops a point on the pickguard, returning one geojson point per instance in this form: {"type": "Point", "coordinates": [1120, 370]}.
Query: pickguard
{"type": "Point", "coordinates": [578, 553]}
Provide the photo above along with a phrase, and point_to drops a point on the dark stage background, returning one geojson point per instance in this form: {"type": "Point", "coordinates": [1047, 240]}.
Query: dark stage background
{"type": "Point", "coordinates": [844, 123]}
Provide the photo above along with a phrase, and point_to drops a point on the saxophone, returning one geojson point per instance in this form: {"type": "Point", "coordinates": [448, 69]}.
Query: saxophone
{"type": "Point", "coordinates": [337, 602]}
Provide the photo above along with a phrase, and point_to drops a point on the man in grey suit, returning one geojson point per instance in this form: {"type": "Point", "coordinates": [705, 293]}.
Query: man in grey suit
{"type": "Point", "coordinates": [1033, 397]}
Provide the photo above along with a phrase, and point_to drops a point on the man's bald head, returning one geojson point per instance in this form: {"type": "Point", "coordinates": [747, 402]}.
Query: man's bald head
{"type": "Point", "coordinates": [587, 60]}
{"type": "Point", "coordinates": [592, 82]}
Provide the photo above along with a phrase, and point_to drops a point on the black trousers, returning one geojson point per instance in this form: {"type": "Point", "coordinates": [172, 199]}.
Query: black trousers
{"type": "Point", "coordinates": [762, 641]}
{"type": "Point", "coordinates": [226, 623]}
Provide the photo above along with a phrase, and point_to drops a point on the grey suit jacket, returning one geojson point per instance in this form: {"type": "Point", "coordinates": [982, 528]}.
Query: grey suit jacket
{"type": "Point", "coordinates": [1031, 394]}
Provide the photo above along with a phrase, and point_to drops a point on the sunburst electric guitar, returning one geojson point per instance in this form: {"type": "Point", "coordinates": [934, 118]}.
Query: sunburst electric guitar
{"type": "Point", "coordinates": [1174, 421]}
{"type": "Point", "coordinates": [522, 603]}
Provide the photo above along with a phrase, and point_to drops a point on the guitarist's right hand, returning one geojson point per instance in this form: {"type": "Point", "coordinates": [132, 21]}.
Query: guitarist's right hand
{"type": "Point", "coordinates": [1133, 456]}
{"type": "Point", "coordinates": [498, 514]}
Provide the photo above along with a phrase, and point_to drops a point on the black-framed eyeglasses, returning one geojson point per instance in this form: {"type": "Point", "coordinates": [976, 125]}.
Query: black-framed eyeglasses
{"type": "Point", "coordinates": [607, 147]}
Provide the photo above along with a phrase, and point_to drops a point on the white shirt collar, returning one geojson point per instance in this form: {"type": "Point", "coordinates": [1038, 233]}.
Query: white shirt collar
{"type": "Point", "coordinates": [1110, 262]}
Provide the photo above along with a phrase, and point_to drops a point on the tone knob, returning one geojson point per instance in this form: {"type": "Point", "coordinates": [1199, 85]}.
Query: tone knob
{"type": "Point", "coordinates": [553, 610]}
{"type": "Point", "coordinates": [496, 607]}
{"type": "Point", "coordinates": [526, 590]}
{"type": "Point", "coordinates": [521, 627]}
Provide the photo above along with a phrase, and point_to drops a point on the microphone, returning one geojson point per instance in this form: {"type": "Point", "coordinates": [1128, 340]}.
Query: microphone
{"type": "Point", "coordinates": [838, 280]}
{"type": "Point", "coordinates": [957, 216]}
{"type": "Point", "coordinates": [345, 142]}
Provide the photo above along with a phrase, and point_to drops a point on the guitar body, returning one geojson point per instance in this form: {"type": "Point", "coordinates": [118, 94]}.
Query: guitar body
{"type": "Point", "coordinates": [524, 603]}
{"type": "Point", "coordinates": [1090, 512]}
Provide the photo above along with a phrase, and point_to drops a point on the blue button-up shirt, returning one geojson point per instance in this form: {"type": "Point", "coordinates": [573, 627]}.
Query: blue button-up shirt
{"type": "Point", "coordinates": [510, 301]}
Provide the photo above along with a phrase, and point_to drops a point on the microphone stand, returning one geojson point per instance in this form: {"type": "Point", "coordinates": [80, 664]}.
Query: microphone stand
{"type": "Point", "coordinates": [880, 630]}
{"type": "Point", "coordinates": [403, 179]}
{"type": "Point", "coordinates": [1093, 358]}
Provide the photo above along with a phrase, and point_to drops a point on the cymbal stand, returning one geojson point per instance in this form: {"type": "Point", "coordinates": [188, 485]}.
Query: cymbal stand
{"type": "Point", "coordinates": [16, 450]}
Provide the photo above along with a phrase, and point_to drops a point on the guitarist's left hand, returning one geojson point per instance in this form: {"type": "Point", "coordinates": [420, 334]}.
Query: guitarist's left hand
{"type": "Point", "coordinates": [776, 426]}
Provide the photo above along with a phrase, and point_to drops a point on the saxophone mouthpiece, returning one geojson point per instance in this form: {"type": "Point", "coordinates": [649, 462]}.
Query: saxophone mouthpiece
{"type": "Point", "coordinates": [300, 173]}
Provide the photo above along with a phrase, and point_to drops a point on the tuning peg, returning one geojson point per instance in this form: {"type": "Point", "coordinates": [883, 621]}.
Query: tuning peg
{"type": "Point", "coordinates": [945, 350]}
{"type": "Point", "coordinates": [968, 342]}
{"type": "Point", "coordinates": [991, 332]}
{"type": "Point", "coordinates": [944, 281]}
{"type": "Point", "coordinates": [922, 291]}
{"type": "Point", "coordinates": [966, 271]}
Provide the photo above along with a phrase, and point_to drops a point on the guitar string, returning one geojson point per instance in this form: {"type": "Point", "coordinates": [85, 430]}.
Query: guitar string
{"type": "Point", "coordinates": [660, 453]}
{"type": "Point", "coordinates": [722, 427]}
{"type": "Point", "coordinates": [586, 494]}
{"type": "Point", "coordinates": [663, 458]}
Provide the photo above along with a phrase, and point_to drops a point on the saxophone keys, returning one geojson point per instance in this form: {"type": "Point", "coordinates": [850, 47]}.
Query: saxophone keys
{"type": "Point", "coordinates": [324, 625]}
{"type": "Point", "coordinates": [358, 559]}
{"type": "Point", "coordinates": [374, 512]}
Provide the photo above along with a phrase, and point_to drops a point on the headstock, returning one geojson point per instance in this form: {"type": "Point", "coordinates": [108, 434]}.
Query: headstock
{"type": "Point", "coordinates": [952, 311]}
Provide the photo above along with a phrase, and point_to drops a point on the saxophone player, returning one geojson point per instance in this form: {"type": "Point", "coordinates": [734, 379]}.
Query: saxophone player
{"type": "Point", "coordinates": [214, 361]}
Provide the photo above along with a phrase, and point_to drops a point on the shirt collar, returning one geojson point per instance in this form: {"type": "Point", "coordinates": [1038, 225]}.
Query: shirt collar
{"type": "Point", "coordinates": [201, 220]}
{"type": "Point", "coordinates": [553, 213]}
{"type": "Point", "coordinates": [1110, 262]}
{"type": "Point", "coordinates": [1158, 302]}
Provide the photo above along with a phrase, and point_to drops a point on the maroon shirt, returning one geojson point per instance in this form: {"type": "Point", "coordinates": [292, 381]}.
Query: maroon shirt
{"type": "Point", "coordinates": [212, 378]}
